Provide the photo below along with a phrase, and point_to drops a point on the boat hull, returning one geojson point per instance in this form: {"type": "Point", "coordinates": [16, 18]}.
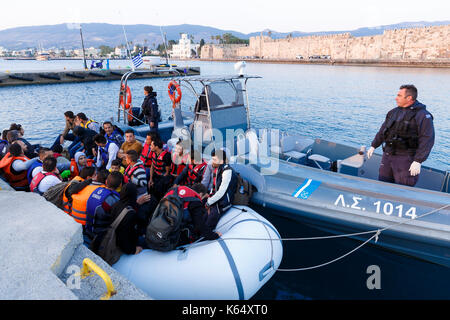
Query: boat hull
{"type": "Point", "coordinates": [342, 204]}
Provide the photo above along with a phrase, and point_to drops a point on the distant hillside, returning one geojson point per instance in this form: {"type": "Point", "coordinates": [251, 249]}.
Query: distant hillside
{"type": "Point", "coordinates": [96, 34]}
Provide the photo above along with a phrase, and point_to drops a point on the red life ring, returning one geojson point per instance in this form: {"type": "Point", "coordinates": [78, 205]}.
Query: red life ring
{"type": "Point", "coordinates": [128, 105]}
{"type": "Point", "coordinates": [174, 87]}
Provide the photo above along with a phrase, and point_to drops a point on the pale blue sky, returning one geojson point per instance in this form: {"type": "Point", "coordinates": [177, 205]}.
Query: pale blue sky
{"type": "Point", "coordinates": [244, 16]}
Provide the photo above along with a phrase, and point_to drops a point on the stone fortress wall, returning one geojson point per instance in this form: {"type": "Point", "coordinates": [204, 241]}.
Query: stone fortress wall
{"type": "Point", "coordinates": [428, 44]}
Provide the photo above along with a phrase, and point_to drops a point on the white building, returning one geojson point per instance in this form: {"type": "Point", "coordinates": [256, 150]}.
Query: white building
{"type": "Point", "coordinates": [121, 52]}
{"type": "Point", "coordinates": [3, 51]}
{"type": "Point", "coordinates": [184, 48]}
{"type": "Point", "coordinates": [92, 52]}
{"type": "Point", "coordinates": [78, 52]}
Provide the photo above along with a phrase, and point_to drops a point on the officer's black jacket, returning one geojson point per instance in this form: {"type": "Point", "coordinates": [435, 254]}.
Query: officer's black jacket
{"type": "Point", "coordinates": [425, 127]}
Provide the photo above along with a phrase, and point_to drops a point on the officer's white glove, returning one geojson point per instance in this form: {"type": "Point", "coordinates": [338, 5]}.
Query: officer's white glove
{"type": "Point", "coordinates": [415, 168]}
{"type": "Point", "coordinates": [370, 152]}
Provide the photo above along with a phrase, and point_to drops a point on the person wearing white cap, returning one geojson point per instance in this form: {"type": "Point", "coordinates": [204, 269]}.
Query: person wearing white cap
{"type": "Point", "coordinates": [79, 162]}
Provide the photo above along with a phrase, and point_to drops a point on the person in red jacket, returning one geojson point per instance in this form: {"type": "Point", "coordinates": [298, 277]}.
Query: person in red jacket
{"type": "Point", "coordinates": [180, 160]}
{"type": "Point", "coordinates": [160, 178]}
{"type": "Point", "coordinates": [194, 222]}
{"type": "Point", "coordinates": [47, 178]}
{"type": "Point", "coordinates": [147, 153]}
{"type": "Point", "coordinates": [193, 172]}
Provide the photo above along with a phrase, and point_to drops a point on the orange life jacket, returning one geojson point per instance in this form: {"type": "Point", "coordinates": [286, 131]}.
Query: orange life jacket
{"type": "Point", "coordinates": [15, 178]}
{"type": "Point", "coordinates": [79, 203]}
{"type": "Point", "coordinates": [74, 171]}
{"type": "Point", "coordinates": [67, 205]}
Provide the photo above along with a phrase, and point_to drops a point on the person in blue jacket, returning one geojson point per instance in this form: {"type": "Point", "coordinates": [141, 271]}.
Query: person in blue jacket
{"type": "Point", "coordinates": [112, 134]}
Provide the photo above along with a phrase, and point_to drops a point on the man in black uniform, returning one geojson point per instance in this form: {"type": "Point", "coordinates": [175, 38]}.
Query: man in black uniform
{"type": "Point", "coordinates": [150, 108]}
{"type": "Point", "coordinates": [407, 136]}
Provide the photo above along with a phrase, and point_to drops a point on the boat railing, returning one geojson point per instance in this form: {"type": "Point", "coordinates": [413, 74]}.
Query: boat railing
{"type": "Point", "coordinates": [130, 114]}
{"type": "Point", "coordinates": [123, 92]}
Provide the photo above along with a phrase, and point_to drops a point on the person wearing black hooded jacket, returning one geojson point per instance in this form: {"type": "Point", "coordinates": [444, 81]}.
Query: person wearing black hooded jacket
{"type": "Point", "coordinates": [150, 108]}
{"type": "Point", "coordinates": [87, 138]}
{"type": "Point", "coordinates": [126, 232]}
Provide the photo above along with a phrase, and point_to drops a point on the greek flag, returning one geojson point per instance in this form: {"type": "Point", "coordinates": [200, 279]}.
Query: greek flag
{"type": "Point", "coordinates": [137, 60]}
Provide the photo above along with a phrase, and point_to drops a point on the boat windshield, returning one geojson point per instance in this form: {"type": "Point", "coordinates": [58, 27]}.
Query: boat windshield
{"type": "Point", "coordinates": [225, 94]}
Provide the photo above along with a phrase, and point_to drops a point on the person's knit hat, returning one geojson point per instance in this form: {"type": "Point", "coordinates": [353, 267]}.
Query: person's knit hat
{"type": "Point", "coordinates": [78, 155]}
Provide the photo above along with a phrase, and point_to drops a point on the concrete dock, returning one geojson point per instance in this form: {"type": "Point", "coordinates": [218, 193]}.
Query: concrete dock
{"type": "Point", "coordinates": [41, 250]}
{"type": "Point", "coordinates": [70, 76]}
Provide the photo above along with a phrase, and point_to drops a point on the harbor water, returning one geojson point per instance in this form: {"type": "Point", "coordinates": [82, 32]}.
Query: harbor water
{"type": "Point", "coordinates": [340, 103]}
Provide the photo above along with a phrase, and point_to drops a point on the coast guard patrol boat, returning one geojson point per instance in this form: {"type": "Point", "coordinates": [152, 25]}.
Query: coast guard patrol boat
{"type": "Point", "coordinates": [328, 185]}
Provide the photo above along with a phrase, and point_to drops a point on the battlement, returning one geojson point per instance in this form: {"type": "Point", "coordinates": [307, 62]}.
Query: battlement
{"type": "Point", "coordinates": [422, 44]}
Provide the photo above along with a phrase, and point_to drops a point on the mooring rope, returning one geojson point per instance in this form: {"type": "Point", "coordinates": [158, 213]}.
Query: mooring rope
{"type": "Point", "coordinates": [375, 236]}
{"type": "Point", "coordinates": [345, 235]}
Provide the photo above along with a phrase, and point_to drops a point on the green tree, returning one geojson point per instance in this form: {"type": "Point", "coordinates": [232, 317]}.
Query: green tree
{"type": "Point", "coordinates": [145, 44]}
{"type": "Point", "coordinates": [228, 38]}
{"type": "Point", "coordinates": [162, 48]}
{"type": "Point", "coordinates": [138, 48]}
{"type": "Point", "coordinates": [105, 50]}
{"type": "Point", "coordinates": [202, 43]}
{"type": "Point", "coordinates": [170, 44]}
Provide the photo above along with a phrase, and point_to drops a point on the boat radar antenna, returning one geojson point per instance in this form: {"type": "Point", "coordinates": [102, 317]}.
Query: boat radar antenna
{"type": "Point", "coordinates": [240, 67]}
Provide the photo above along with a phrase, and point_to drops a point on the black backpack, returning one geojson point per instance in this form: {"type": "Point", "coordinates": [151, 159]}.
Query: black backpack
{"type": "Point", "coordinates": [107, 248]}
{"type": "Point", "coordinates": [244, 191]}
{"type": "Point", "coordinates": [163, 231]}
